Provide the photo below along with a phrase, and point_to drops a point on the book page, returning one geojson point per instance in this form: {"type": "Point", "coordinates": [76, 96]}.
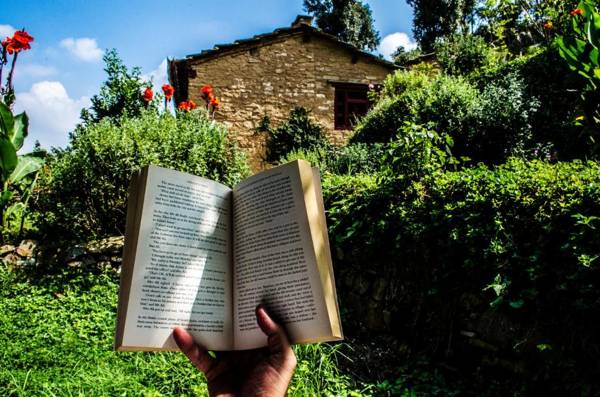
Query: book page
{"type": "Point", "coordinates": [182, 269]}
{"type": "Point", "coordinates": [274, 259]}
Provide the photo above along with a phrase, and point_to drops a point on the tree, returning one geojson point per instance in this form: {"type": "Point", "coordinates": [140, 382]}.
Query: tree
{"type": "Point", "coordinates": [120, 94]}
{"type": "Point", "coordinates": [435, 19]}
{"type": "Point", "coordinates": [349, 20]}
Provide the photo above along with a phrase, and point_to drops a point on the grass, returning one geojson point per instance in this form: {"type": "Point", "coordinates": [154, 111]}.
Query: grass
{"type": "Point", "coordinates": [56, 336]}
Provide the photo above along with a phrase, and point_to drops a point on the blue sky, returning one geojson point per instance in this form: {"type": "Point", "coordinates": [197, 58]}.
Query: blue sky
{"type": "Point", "coordinates": [63, 70]}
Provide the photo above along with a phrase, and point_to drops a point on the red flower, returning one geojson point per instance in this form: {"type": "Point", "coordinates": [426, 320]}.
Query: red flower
{"type": "Point", "coordinates": [214, 102]}
{"type": "Point", "coordinates": [549, 25]}
{"type": "Point", "coordinates": [184, 105]}
{"type": "Point", "coordinates": [207, 90]}
{"type": "Point", "coordinates": [148, 94]}
{"type": "Point", "coordinates": [192, 104]}
{"type": "Point", "coordinates": [19, 41]}
{"type": "Point", "coordinates": [577, 11]}
{"type": "Point", "coordinates": [168, 90]}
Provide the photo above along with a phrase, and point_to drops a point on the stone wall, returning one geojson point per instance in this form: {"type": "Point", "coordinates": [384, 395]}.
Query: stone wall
{"type": "Point", "coordinates": [271, 79]}
{"type": "Point", "coordinates": [104, 254]}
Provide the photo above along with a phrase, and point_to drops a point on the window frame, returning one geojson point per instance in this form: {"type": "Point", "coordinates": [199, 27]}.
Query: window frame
{"type": "Point", "coordinates": [347, 88]}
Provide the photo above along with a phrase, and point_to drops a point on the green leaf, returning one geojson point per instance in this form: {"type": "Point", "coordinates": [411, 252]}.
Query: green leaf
{"type": "Point", "coordinates": [7, 120]}
{"type": "Point", "coordinates": [20, 130]}
{"type": "Point", "coordinates": [8, 157]}
{"type": "Point", "coordinates": [516, 304]}
{"type": "Point", "coordinates": [27, 164]}
{"type": "Point", "coordinates": [5, 197]}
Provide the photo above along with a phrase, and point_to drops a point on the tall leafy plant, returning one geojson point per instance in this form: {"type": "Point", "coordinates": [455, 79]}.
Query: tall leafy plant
{"type": "Point", "coordinates": [18, 174]}
{"type": "Point", "coordinates": [581, 50]}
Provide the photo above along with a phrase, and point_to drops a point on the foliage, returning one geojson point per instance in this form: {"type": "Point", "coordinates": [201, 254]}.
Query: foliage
{"type": "Point", "coordinates": [516, 24]}
{"type": "Point", "coordinates": [349, 20]}
{"type": "Point", "coordinates": [18, 173]}
{"type": "Point", "coordinates": [435, 19]}
{"type": "Point", "coordinates": [487, 124]}
{"type": "Point", "coordinates": [462, 54]}
{"type": "Point", "coordinates": [529, 228]}
{"type": "Point", "coordinates": [348, 160]}
{"type": "Point", "coordinates": [57, 333]}
{"type": "Point", "coordinates": [120, 94]}
{"type": "Point", "coordinates": [298, 132]}
{"type": "Point", "coordinates": [402, 57]}
{"type": "Point", "coordinates": [581, 50]}
{"type": "Point", "coordinates": [102, 157]}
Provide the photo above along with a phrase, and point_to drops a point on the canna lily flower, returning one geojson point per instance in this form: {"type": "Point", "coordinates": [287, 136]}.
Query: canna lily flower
{"type": "Point", "coordinates": [148, 94]}
{"type": "Point", "coordinates": [192, 104]}
{"type": "Point", "coordinates": [214, 102]}
{"type": "Point", "coordinates": [184, 106]}
{"type": "Point", "coordinates": [577, 11]}
{"type": "Point", "coordinates": [20, 41]}
{"type": "Point", "coordinates": [168, 90]}
{"type": "Point", "coordinates": [549, 25]}
{"type": "Point", "coordinates": [207, 90]}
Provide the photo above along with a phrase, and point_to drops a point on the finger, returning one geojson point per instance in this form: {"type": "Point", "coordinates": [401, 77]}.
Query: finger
{"type": "Point", "coordinates": [277, 338]}
{"type": "Point", "coordinates": [197, 355]}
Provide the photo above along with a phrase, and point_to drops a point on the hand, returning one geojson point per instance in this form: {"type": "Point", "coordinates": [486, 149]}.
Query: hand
{"type": "Point", "coordinates": [259, 372]}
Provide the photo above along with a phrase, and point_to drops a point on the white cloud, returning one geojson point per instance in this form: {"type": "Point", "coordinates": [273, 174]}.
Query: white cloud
{"type": "Point", "coordinates": [84, 48]}
{"type": "Point", "coordinates": [52, 113]}
{"type": "Point", "coordinates": [158, 76]}
{"type": "Point", "coordinates": [391, 42]}
{"type": "Point", "coordinates": [6, 31]}
{"type": "Point", "coordinates": [34, 70]}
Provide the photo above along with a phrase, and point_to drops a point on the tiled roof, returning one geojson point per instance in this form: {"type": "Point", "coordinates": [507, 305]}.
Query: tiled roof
{"type": "Point", "coordinates": [221, 49]}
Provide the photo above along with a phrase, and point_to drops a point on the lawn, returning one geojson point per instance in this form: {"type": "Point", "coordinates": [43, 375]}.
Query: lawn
{"type": "Point", "coordinates": [56, 335]}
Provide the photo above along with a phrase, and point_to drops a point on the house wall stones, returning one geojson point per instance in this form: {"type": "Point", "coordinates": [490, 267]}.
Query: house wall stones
{"type": "Point", "coordinates": [271, 77]}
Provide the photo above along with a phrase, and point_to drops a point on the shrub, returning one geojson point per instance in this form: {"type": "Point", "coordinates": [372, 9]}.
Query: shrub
{"type": "Point", "coordinates": [543, 79]}
{"type": "Point", "coordinates": [515, 245]}
{"type": "Point", "coordinates": [462, 54]}
{"type": "Point", "coordinates": [348, 160]}
{"type": "Point", "coordinates": [84, 193]}
{"type": "Point", "coordinates": [298, 132]}
{"type": "Point", "coordinates": [505, 120]}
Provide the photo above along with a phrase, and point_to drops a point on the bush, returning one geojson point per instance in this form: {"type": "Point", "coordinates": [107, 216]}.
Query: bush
{"type": "Point", "coordinates": [349, 160]}
{"type": "Point", "coordinates": [299, 132]}
{"type": "Point", "coordinates": [84, 192]}
{"type": "Point", "coordinates": [462, 54]}
{"type": "Point", "coordinates": [543, 80]}
{"type": "Point", "coordinates": [515, 246]}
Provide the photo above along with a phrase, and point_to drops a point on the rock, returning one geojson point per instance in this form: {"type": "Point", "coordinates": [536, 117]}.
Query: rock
{"type": "Point", "coordinates": [379, 289]}
{"type": "Point", "coordinates": [75, 252]}
{"type": "Point", "coordinates": [75, 264]}
{"type": "Point", "coordinates": [12, 260]}
{"type": "Point", "coordinates": [104, 265]}
{"type": "Point", "coordinates": [107, 246]}
{"type": "Point", "coordinates": [26, 248]}
{"type": "Point", "coordinates": [6, 249]}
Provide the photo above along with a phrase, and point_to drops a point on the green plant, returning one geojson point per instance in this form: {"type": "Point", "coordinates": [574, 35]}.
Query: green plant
{"type": "Point", "coordinates": [528, 229]}
{"type": "Point", "coordinates": [581, 50]}
{"type": "Point", "coordinates": [18, 173]}
{"type": "Point", "coordinates": [102, 157]}
{"type": "Point", "coordinates": [120, 94]}
{"type": "Point", "coordinates": [298, 132]}
{"type": "Point", "coordinates": [462, 54]}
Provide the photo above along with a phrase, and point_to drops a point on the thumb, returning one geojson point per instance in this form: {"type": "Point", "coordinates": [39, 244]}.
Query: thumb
{"type": "Point", "coordinates": [278, 342]}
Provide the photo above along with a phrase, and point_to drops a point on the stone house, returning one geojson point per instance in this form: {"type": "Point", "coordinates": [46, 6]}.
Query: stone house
{"type": "Point", "coordinates": [270, 74]}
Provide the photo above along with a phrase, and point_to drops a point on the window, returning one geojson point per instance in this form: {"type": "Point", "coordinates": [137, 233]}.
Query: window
{"type": "Point", "coordinates": [351, 102]}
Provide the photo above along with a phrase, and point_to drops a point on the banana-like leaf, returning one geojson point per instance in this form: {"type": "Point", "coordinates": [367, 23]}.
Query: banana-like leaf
{"type": "Point", "coordinates": [5, 197]}
{"type": "Point", "coordinates": [7, 121]}
{"type": "Point", "coordinates": [20, 130]}
{"type": "Point", "coordinates": [27, 164]}
{"type": "Point", "coordinates": [8, 157]}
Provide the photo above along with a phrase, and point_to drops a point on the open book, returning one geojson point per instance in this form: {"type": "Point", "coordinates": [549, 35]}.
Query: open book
{"type": "Point", "coordinates": [203, 256]}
